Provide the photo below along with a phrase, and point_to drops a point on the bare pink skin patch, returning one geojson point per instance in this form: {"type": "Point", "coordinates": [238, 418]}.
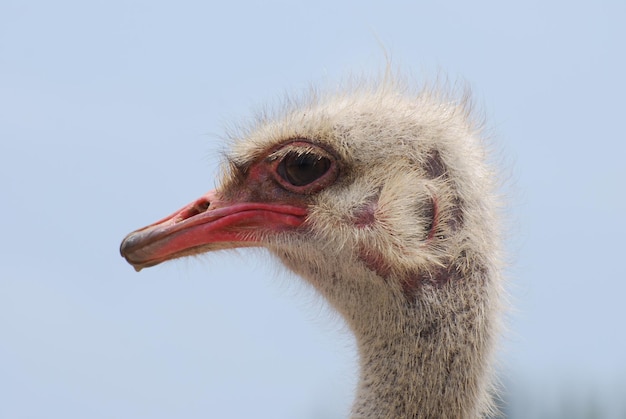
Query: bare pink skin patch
{"type": "Point", "coordinates": [366, 215]}
{"type": "Point", "coordinates": [374, 261]}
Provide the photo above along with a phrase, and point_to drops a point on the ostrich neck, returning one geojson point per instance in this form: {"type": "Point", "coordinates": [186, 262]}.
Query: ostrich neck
{"type": "Point", "coordinates": [425, 360]}
{"type": "Point", "coordinates": [420, 370]}
{"type": "Point", "coordinates": [423, 357]}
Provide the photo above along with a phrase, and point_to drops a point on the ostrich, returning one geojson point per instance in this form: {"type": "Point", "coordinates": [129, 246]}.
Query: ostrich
{"type": "Point", "coordinates": [382, 200]}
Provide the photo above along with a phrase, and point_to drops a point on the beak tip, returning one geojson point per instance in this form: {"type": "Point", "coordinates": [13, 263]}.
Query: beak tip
{"type": "Point", "coordinates": [125, 248]}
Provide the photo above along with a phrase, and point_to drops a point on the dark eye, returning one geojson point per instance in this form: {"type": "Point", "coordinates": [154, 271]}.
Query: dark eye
{"type": "Point", "coordinates": [301, 169]}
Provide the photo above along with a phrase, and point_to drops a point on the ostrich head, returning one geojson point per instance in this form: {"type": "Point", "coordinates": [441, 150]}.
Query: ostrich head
{"type": "Point", "coordinates": [383, 202]}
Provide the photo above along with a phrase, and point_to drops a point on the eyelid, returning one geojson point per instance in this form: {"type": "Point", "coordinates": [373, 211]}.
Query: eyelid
{"type": "Point", "coordinates": [300, 150]}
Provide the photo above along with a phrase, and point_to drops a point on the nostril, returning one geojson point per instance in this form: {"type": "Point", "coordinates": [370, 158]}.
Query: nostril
{"type": "Point", "coordinates": [198, 207]}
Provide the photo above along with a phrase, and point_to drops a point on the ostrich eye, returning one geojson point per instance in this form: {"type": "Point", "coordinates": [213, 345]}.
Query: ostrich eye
{"type": "Point", "coordinates": [301, 169]}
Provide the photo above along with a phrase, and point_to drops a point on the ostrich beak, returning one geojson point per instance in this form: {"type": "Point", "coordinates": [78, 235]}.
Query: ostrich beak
{"type": "Point", "coordinates": [208, 223]}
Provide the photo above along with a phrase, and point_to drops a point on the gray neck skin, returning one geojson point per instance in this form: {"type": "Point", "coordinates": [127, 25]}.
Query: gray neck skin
{"type": "Point", "coordinates": [422, 358]}
{"type": "Point", "coordinates": [422, 369]}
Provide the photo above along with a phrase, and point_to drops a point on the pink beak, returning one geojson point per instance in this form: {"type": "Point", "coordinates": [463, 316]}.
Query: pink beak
{"type": "Point", "coordinates": [208, 224]}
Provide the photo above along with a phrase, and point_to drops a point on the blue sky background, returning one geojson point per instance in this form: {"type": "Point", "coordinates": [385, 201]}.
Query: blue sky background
{"type": "Point", "coordinates": [112, 114]}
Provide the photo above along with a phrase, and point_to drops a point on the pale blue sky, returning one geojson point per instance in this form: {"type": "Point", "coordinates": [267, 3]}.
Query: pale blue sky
{"type": "Point", "coordinates": [111, 115]}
